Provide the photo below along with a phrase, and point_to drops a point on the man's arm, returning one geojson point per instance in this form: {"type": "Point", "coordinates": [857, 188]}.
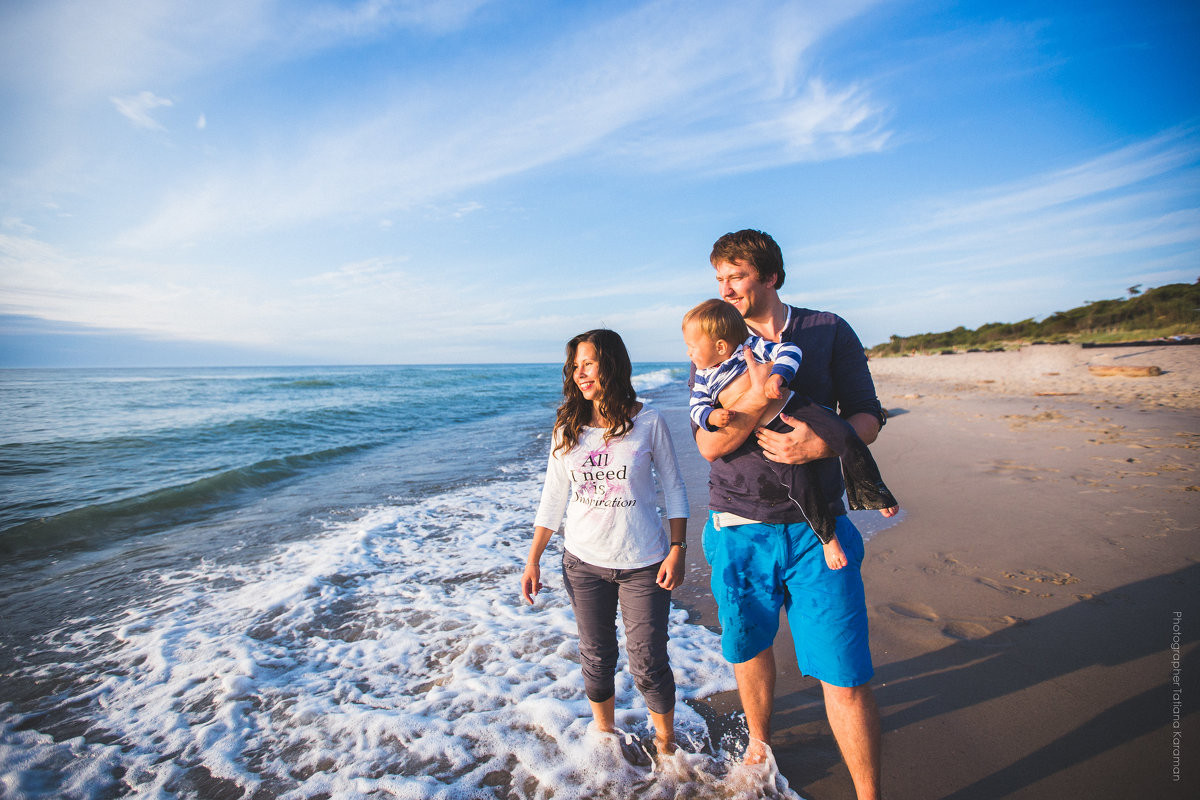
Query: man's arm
{"type": "Point", "coordinates": [866, 426]}
{"type": "Point", "coordinates": [801, 445]}
{"type": "Point", "coordinates": [855, 392]}
{"type": "Point", "coordinates": [749, 407]}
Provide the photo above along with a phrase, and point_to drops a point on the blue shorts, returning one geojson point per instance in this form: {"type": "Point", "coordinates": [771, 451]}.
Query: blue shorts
{"type": "Point", "coordinates": [759, 568]}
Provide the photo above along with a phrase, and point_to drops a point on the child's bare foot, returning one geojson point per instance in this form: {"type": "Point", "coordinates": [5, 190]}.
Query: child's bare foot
{"type": "Point", "coordinates": [835, 556]}
{"type": "Point", "coordinates": [890, 512]}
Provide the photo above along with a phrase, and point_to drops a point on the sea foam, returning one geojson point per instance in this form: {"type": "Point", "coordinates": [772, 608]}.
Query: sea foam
{"type": "Point", "coordinates": [389, 657]}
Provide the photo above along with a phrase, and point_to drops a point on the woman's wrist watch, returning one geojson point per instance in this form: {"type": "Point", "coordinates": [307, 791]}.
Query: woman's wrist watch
{"type": "Point", "coordinates": [680, 545]}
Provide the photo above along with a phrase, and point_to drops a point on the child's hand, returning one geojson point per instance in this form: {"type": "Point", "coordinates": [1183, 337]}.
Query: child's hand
{"type": "Point", "coordinates": [720, 417]}
{"type": "Point", "coordinates": [890, 512]}
{"type": "Point", "coordinates": [774, 387]}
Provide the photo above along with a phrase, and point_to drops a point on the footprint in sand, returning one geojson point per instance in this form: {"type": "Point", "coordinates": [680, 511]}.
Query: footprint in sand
{"type": "Point", "coordinates": [960, 629]}
{"type": "Point", "coordinates": [1041, 576]}
{"type": "Point", "coordinates": [944, 562]}
{"type": "Point", "coordinates": [914, 611]}
{"type": "Point", "coordinates": [1020, 472]}
{"type": "Point", "coordinates": [1002, 587]}
{"type": "Point", "coordinates": [964, 631]}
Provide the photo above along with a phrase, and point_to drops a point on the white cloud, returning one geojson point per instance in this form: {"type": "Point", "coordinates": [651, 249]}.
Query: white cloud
{"type": "Point", "coordinates": [467, 208]}
{"type": "Point", "coordinates": [16, 224]}
{"type": "Point", "coordinates": [137, 108]}
{"type": "Point", "coordinates": [813, 125]}
{"type": "Point", "coordinates": [330, 152]}
{"type": "Point", "coordinates": [1025, 248]}
{"type": "Point", "coordinates": [1121, 170]}
{"type": "Point", "coordinates": [371, 16]}
{"type": "Point", "coordinates": [79, 48]}
{"type": "Point", "coordinates": [611, 93]}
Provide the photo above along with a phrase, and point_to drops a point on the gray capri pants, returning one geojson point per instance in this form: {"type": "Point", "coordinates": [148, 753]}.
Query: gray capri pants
{"type": "Point", "coordinates": [595, 593]}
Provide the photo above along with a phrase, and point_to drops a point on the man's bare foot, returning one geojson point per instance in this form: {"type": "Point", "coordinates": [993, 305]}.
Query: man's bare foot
{"type": "Point", "coordinates": [835, 556]}
{"type": "Point", "coordinates": [757, 752]}
{"type": "Point", "coordinates": [665, 745]}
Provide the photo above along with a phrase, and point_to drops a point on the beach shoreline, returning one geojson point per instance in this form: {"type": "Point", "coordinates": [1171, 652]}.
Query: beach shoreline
{"type": "Point", "coordinates": [1022, 609]}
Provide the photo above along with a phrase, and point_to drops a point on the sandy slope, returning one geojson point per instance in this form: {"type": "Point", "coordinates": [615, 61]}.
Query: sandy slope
{"type": "Point", "coordinates": [1022, 608]}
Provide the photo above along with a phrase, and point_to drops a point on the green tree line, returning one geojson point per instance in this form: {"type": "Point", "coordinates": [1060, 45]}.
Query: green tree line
{"type": "Point", "coordinates": [1163, 311]}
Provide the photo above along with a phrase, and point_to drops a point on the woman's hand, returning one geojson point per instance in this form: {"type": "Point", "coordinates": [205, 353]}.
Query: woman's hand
{"type": "Point", "coordinates": [670, 573]}
{"type": "Point", "coordinates": [531, 582]}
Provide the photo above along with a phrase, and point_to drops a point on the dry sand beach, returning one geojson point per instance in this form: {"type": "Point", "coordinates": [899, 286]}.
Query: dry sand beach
{"type": "Point", "coordinates": [1025, 606]}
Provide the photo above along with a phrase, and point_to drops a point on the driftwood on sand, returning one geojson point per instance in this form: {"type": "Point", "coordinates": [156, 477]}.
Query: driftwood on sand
{"type": "Point", "coordinates": [1110, 370]}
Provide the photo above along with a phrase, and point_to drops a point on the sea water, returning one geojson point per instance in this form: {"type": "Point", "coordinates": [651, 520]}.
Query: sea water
{"type": "Point", "coordinates": [303, 583]}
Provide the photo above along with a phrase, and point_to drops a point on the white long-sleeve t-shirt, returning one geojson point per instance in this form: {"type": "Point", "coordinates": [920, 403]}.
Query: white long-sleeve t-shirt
{"type": "Point", "coordinates": [606, 490]}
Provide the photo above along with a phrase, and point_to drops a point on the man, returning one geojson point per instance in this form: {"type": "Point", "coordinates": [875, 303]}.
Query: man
{"type": "Point", "coordinates": [763, 554]}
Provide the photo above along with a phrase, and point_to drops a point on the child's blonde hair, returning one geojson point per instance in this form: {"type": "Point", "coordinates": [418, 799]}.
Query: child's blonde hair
{"type": "Point", "coordinates": [718, 320]}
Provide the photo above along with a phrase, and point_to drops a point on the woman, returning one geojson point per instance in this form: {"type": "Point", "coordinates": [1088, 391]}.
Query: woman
{"type": "Point", "coordinates": [616, 551]}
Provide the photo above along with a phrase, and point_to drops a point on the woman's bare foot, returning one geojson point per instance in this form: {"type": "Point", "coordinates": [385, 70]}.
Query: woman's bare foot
{"type": "Point", "coordinates": [835, 556]}
{"type": "Point", "coordinates": [597, 727]}
{"type": "Point", "coordinates": [757, 752]}
{"type": "Point", "coordinates": [665, 745]}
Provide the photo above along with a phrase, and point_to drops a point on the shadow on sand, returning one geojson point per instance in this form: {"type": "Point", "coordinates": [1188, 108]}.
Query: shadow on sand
{"type": "Point", "coordinates": [1119, 626]}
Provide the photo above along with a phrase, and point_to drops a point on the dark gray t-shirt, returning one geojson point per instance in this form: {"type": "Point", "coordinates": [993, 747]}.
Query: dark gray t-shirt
{"type": "Point", "coordinates": [833, 372]}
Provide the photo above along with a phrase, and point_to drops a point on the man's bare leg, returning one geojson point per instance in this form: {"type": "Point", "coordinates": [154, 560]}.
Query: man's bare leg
{"type": "Point", "coordinates": [854, 718]}
{"type": "Point", "coordinates": [756, 687]}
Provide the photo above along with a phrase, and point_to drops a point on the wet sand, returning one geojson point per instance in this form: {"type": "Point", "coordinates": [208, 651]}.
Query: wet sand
{"type": "Point", "coordinates": [1023, 609]}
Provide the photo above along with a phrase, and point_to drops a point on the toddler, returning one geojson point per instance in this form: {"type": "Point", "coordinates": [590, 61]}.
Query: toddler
{"type": "Point", "coordinates": [715, 334]}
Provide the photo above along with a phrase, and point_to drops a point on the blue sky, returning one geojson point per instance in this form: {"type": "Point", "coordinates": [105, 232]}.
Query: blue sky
{"type": "Point", "coordinates": [242, 181]}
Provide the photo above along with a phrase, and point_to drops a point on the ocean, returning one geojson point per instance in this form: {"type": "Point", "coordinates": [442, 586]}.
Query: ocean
{"type": "Point", "coordinates": [303, 583]}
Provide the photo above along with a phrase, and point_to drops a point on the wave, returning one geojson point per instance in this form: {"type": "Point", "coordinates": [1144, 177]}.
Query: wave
{"type": "Point", "coordinates": [160, 509]}
{"type": "Point", "coordinates": [56, 448]}
{"type": "Point", "coordinates": [312, 383]}
{"type": "Point", "coordinates": [658, 378]}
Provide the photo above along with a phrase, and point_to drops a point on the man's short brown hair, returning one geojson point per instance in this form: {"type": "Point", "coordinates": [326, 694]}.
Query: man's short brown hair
{"type": "Point", "coordinates": [755, 248]}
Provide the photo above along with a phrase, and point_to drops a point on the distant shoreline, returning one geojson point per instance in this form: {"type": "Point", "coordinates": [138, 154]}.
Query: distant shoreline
{"type": "Point", "coordinates": [1146, 343]}
{"type": "Point", "coordinates": [1042, 371]}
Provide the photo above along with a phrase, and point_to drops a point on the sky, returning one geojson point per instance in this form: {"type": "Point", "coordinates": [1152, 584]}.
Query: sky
{"type": "Point", "coordinates": [239, 182]}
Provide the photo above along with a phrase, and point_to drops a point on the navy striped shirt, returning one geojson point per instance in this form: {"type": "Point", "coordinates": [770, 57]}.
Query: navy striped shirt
{"type": "Point", "coordinates": [708, 383]}
{"type": "Point", "coordinates": [833, 373]}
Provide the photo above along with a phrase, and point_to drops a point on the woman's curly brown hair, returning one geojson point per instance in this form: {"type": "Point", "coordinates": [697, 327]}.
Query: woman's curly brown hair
{"type": "Point", "coordinates": [617, 399]}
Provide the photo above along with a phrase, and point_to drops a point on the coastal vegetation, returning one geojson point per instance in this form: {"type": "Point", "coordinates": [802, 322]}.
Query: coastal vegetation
{"type": "Point", "coordinates": [1165, 311]}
